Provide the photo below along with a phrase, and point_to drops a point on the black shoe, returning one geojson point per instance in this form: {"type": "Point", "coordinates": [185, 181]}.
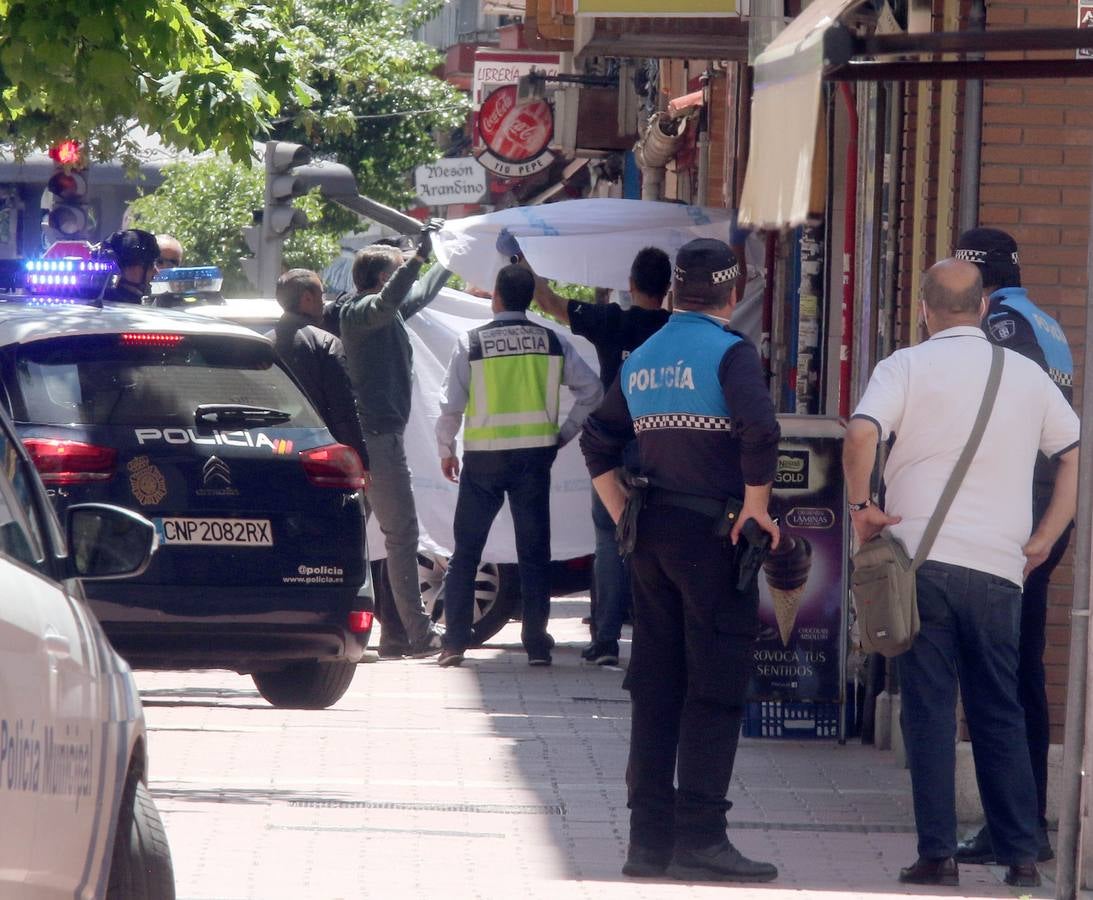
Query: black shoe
{"type": "Point", "coordinates": [1023, 875]}
{"type": "Point", "coordinates": [428, 646]}
{"type": "Point", "coordinates": [645, 862]}
{"type": "Point", "coordinates": [602, 653]}
{"type": "Point", "coordinates": [539, 659]}
{"type": "Point", "coordinates": [449, 658]}
{"type": "Point", "coordinates": [394, 651]}
{"type": "Point", "coordinates": [931, 871]}
{"type": "Point", "coordinates": [977, 849]}
{"type": "Point", "coordinates": [721, 862]}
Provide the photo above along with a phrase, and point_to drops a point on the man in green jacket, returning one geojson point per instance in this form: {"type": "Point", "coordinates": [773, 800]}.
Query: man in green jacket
{"type": "Point", "coordinates": [372, 325]}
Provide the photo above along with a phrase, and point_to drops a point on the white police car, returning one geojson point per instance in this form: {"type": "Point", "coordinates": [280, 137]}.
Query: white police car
{"type": "Point", "coordinates": [77, 817]}
{"type": "Point", "coordinates": [197, 425]}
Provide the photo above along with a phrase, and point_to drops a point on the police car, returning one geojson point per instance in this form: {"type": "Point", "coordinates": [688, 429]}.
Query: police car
{"type": "Point", "coordinates": [197, 425]}
{"type": "Point", "coordinates": [433, 333]}
{"type": "Point", "coordinates": [73, 750]}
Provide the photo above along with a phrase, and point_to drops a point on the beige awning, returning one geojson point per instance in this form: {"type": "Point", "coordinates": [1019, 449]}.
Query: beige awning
{"type": "Point", "coordinates": [785, 110]}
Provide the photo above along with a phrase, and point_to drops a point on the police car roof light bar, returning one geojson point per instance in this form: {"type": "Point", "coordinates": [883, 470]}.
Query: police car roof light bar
{"type": "Point", "coordinates": [64, 280]}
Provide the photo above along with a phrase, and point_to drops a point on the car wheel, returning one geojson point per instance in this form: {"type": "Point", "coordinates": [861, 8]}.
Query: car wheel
{"type": "Point", "coordinates": [140, 868]}
{"type": "Point", "coordinates": [306, 685]}
{"type": "Point", "coordinates": [496, 594]}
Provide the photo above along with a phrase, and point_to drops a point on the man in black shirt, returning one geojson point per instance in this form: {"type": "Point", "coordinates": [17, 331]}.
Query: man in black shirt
{"type": "Point", "coordinates": [316, 357]}
{"type": "Point", "coordinates": [614, 332]}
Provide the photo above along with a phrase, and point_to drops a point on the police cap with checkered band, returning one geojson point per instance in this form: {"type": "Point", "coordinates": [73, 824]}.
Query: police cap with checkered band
{"type": "Point", "coordinates": [995, 252]}
{"type": "Point", "coordinates": [705, 272]}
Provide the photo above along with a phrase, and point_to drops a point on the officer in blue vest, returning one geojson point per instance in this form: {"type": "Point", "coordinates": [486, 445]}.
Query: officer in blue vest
{"type": "Point", "coordinates": [695, 397]}
{"type": "Point", "coordinates": [1015, 322]}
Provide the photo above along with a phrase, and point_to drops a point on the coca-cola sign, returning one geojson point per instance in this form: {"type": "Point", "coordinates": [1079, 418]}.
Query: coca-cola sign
{"type": "Point", "coordinates": [516, 135]}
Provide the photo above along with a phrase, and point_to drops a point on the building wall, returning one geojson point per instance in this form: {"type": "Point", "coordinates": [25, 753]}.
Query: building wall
{"type": "Point", "coordinates": [1035, 183]}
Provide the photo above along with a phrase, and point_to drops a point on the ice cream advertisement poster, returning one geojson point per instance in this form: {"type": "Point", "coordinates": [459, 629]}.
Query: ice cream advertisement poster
{"type": "Point", "coordinates": [801, 587]}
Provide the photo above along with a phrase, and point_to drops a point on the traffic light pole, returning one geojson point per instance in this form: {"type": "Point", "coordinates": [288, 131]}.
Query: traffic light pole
{"type": "Point", "coordinates": [288, 176]}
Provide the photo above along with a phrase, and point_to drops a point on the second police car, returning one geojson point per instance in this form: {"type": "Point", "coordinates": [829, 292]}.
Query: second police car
{"type": "Point", "coordinates": [78, 820]}
{"type": "Point", "coordinates": [198, 426]}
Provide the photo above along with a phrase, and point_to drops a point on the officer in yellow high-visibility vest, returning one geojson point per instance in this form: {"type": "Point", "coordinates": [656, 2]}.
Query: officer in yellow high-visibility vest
{"type": "Point", "coordinates": [506, 376]}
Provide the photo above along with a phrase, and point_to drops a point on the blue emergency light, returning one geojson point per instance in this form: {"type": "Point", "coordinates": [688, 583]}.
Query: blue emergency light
{"type": "Point", "coordinates": [66, 279]}
{"type": "Point", "coordinates": [188, 280]}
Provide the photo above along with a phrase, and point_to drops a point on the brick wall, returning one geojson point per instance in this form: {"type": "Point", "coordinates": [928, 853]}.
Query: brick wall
{"type": "Point", "coordinates": [1035, 183]}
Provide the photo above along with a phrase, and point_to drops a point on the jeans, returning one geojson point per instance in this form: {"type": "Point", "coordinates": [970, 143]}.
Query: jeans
{"type": "Point", "coordinates": [1031, 678]}
{"type": "Point", "coordinates": [692, 657]}
{"type": "Point", "coordinates": [970, 623]}
{"type": "Point", "coordinates": [391, 500]}
{"type": "Point", "coordinates": [611, 576]}
{"type": "Point", "coordinates": [487, 478]}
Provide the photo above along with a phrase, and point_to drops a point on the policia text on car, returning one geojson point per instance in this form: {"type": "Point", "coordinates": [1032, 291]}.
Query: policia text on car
{"type": "Point", "coordinates": [707, 440]}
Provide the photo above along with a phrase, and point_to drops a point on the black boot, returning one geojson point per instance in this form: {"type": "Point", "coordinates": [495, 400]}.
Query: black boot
{"type": "Point", "coordinates": [645, 862]}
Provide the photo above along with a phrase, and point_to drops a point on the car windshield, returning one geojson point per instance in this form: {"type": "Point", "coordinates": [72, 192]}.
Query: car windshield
{"type": "Point", "coordinates": [134, 380]}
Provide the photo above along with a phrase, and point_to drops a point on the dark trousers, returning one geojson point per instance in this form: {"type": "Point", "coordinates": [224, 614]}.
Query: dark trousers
{"type": "Point", "coordinates": [970, 623]}
{"type": "Point", "coordinates": [611, 576]}
{"type": "Point", "coordinates": [487, 478]}
{"type": "Point", "coordinates": [1031, 678]}
{"type": "Point", "coordinates": [691, 660]}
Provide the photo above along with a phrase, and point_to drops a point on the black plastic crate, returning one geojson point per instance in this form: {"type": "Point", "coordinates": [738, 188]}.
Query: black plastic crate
{"type": "Point", "coordinates": [791, 720]}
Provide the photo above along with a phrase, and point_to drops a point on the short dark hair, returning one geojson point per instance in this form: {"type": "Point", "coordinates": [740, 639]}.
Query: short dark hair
{"type": "Point", "coordinates": [651, 272]}
{"type": "Point", "coordinates": [371, 262]}
{"type": "Point", "coordinates": [515, 287]}
{"type": "Point", "coordinates": [291, 287]}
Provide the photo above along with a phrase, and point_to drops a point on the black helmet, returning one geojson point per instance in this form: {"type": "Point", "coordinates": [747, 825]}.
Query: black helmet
{"type": "Point", "coordinates": [132, 247]}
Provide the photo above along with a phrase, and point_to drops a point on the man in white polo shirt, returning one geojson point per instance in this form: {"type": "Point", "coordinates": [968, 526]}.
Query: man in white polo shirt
{"type": "Point", "coordinates": [969, 589]}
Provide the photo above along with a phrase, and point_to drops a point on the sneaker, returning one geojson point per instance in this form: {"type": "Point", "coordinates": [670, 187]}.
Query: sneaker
{"type": "Point", "coordinates": [602, 653]}
{"type": "Point", "coordinates": [369, 656]}
{"type": "Point", "coordinates": [394, 651]}
{"type": "Point", "coordinates": [645, 862]}
{"type": "Point", "coordinates": [540, 660]}
{"type": "Point", "coordinates": [449, 658]}
{"type": "Point", "coordinates": [721, 862]}
{"type": "Point", "coordinates": [977, 849]}
{"type": "Point", "coordinates": [429, 646]}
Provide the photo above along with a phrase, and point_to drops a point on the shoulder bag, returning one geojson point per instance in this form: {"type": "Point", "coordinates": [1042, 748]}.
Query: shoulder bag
{"type": "Point", "coordinates": [883, 578]}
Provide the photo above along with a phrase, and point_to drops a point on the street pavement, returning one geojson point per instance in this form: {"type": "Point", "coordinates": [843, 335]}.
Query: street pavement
{"type": "Point", "coordinates": [493, 780]}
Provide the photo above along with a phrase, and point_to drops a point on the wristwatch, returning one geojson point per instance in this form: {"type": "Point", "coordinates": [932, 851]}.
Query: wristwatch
{"type": "Point", "coordinates": [858, 507]}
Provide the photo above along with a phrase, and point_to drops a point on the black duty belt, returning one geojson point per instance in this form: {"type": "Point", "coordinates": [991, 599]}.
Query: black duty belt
{"type": "Point", "coordinates": [707, 506]}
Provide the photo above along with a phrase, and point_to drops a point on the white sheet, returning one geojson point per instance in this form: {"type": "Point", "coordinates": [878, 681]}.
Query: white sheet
{"type": "Point", "coordinates": [591, 241]}
{"type": "Point", "coordinates": [433, 334]}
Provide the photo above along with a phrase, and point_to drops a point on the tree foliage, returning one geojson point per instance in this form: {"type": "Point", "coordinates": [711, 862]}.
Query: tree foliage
{"type": "Point", "coordinates": [345, 78]}
{"type": "Point", "coordinates": [379, 107]}
{"type": "Point", "coordinates": [202, 74]}
{"type": "Point", "coordinates": [207, 204]}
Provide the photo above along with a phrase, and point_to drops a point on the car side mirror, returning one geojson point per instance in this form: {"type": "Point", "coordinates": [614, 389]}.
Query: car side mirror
{"type": "Point", "coordinates": [107, 541]}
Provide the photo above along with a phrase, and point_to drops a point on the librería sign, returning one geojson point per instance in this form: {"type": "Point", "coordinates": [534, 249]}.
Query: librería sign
{"type": "Point", "coordinates": [449, 181]}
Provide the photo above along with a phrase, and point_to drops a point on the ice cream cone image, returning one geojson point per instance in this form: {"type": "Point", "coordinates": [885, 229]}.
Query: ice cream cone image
{"type": "Point", "coordinates": [786, 570]}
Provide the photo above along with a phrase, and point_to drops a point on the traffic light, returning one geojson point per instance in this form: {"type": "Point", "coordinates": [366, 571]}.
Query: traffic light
{"type": "Point", "coordinates": [279, 217]}
{"type": "Point", "coordinates": [69, 217]}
